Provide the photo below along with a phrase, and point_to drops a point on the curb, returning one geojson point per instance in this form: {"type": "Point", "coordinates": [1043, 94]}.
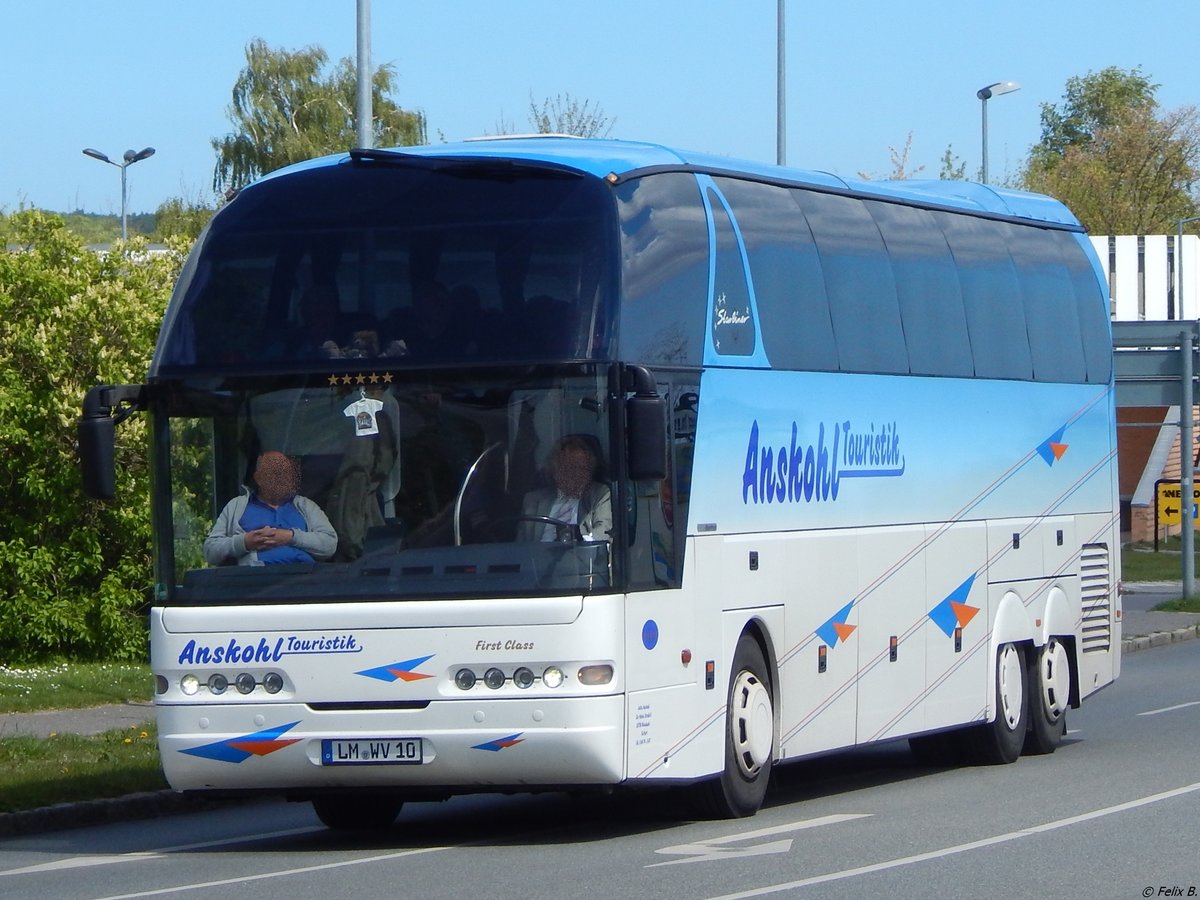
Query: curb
{"type": "Point", "coordinates": [1159, 639]}
{"type": "Point", "coordinates": [146, 805]}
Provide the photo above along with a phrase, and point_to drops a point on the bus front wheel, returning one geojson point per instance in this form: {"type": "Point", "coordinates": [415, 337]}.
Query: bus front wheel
{"type": "Point", "coordinates": [749, 739]}
{"type": "Point", "coordinates": [356, 812]}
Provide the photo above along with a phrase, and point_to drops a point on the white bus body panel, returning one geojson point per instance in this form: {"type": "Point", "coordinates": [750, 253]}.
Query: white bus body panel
{"type": "Point", "coordinates": [346, 678]}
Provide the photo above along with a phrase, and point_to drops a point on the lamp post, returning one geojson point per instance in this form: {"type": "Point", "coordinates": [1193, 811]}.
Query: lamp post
{"type": "Point", "coordinates": [780, 103]}
{"type": "Point", "coordinates": [131, 156]}
{"type": "Point", "coordinates": [985, 94]}
{"type": "Point", "coordinates": [363, 115]}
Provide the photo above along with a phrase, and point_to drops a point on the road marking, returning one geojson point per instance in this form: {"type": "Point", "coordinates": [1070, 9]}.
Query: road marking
{"type": "Point", "coordinates": [84, 862]}
{"type": "Point", "coordinates": [714, 848]}
{"type": "Point", "coordinates": [962, 848]}
{"type": "Point", "coordinates": [282, 873]}
{"type": "Point", "coordinates": [1155, 712]}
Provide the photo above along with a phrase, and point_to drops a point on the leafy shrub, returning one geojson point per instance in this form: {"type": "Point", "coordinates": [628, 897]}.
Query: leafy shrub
{"type": "Point", "coordinates": [75, 574]}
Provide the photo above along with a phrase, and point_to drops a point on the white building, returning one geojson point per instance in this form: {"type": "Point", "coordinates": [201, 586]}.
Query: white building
{"type": "Point", "coordinates": [1143, 275]}
{"type": "Point", "coordinates": [1143, 284]}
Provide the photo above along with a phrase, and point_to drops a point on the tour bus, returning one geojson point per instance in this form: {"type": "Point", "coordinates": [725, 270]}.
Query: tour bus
{"type": "Point", "coordinates": [854, 444]}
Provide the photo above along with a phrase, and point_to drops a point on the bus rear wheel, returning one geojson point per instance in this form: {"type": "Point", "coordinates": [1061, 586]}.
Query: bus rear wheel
{"type": "Point", "coordinates": [1049, 694]}
{"type": "Point", "coordinates": [749, 739]}
{"type": "Point", "coordinates": [356, 812]}
{"type": "Point", "coordinates": [1000, 741]}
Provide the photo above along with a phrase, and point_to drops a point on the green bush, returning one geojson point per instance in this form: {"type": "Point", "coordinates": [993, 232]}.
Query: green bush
{"type": "Point", "coordinates": [75, 574]}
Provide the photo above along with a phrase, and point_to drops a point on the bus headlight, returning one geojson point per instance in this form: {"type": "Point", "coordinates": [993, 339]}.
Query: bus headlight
{"type": "Point", "coordinates": [245, 683]}
{"type": "Point", "coordinates": [273, 682]}
{"type": "Point", "coordinates": [464, 679]}
{"type": "Point", "coordinates": [523, 678]}
{"type": "Point", "coordinates": [552, 677]}
{"type": "Point", "coordinates": [189, 684]}
{"type": "Point", "coordinates": [494, 678]}
{"type": "Point", "coordinates": [217, 683]}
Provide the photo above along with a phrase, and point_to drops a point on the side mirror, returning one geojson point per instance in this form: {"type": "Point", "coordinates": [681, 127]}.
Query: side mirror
{"type": "Point", "coordinates": [97, 453]}
{"type": "Point", "coordinates": [96, 433]}
{"type": "Point", "coordinates": [645, 427]}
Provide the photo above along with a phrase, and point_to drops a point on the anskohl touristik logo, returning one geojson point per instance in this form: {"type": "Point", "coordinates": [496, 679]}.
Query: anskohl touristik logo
{"type": "Point", "coordinates": [265, 650]}
{"type": "Point", "coordinates": [809, 468]}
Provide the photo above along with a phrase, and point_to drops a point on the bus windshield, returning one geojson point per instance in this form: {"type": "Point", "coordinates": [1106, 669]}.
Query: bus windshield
{"type": "Point", "coordinates": [433, 487]}
{"type": "Point", "coordinates": [448, 266]}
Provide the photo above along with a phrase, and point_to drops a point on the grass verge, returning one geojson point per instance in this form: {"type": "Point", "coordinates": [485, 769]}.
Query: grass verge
{"type": "Point", "coordinates": [62, 768]}
{"type": "Point", "coordinates": [1183, 604]}
{"type": "Point", "coordinates": [73, 685]}
{"type": "Point", "coordinates": [1140, 562]}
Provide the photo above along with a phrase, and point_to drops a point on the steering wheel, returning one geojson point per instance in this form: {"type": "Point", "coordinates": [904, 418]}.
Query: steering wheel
{"type": "Point", "coordinates": [576, 534]}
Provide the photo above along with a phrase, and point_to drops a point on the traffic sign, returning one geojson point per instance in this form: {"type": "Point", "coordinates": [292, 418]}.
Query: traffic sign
{"type": "Point", "coordinates": [1169, 506]}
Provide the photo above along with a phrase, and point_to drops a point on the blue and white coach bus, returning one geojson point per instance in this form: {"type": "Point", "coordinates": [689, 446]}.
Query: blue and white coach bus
{"type": "Point", "coordinates": [852, 467]}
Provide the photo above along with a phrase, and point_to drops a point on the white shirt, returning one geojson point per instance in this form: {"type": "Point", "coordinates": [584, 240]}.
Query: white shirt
{"type": "Point", "coordinates": [565, 509]}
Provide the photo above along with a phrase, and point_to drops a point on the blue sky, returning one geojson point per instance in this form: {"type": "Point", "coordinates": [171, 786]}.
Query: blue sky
{"type": "Point", "coordinates": [697, 74]}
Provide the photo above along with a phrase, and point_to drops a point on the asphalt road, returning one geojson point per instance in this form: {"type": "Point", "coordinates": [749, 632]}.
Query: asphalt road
{"type": "Point", "coordinates": [1114, 813]}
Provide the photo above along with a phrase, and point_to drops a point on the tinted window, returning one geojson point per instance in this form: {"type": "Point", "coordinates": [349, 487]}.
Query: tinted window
{"type": "Point", "coordinates": [664, 259]}
{"type": "Point", "coordinates": [433, 266]}
{"type": "Point", "coordinates": [1055, 342]}
{"type": "Point", "coordinates": [732, 321]}
{"type": "Point", "coordinates": [991, 296]}
{"type": "Point", "coordinates": [788, 285]}
{"type": "Point", "coordinates": [858, 281]}
{"type": "Point", "coordinates": [927, 288]}
{"type": "Point", "coordinates": [863, 285]}
{"type": "Point", "coordinates": [1091, 304]}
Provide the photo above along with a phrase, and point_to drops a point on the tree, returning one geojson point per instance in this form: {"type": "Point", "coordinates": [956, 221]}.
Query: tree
{"type": "Point", "coordinates": [74, 574]}
{"type": "Point", "coordinates": [900, 170]}
{"type": "Point", "coordinates": [1109, 154]}
{"type": "Point", "coordinates": [1091, 103]}
{"type": "Point", "coordinates": [953, 168]}
{"type": "Point", "coordinates": [285, 111]}
{"type": "Point", "coordinates": [564, 114]}
{"type": "Point", "coordinates": [178, 217]}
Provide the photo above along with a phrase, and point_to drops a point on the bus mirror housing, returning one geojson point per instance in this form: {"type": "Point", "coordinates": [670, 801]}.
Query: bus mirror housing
{"type": "Point", "coordinates": [104, 407]}
{"type": "Point", "coordinates": [645, 426]}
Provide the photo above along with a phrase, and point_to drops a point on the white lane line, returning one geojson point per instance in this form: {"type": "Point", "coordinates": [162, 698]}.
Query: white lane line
{"type": "Point", "coordinates": [108, 859]}
{"type": "Point", "coordinates": [713, 848]}
{"type": "Point", "coordinates": [1155, 712]}
{"type": "Point", "coordinates": [962, 848]}
{"type": "Point", "coordinates": [281, 873]}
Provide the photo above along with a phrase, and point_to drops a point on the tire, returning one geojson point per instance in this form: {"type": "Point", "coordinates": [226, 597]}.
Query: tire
{"type": "Point", "coordinates": [749, 739]}
{"type": "Point", "coordinates": [1000, 741]}
{"type": "Point", "coordinates": [1049, 695]}
{"type": "Point", "coordinates": [356, 812]}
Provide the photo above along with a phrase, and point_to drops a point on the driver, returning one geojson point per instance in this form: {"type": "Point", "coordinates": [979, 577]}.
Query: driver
{"type": "Point", "coordinates": [577, 498]}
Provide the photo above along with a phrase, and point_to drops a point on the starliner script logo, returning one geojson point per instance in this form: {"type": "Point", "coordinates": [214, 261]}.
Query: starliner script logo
{"type": "Point", "coordinates": [799, 472]}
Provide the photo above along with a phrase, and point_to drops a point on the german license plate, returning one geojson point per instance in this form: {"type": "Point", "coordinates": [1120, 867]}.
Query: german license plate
{"type": "Point", "coordinates": [371, 752]}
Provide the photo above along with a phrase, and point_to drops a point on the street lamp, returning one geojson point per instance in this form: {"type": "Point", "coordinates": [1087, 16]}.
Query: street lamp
{"type": "Point", "coordinates": [131, 156]}
{"type": "Point", "coordinates": [985, 94]}
{"type": "Point", "coordinates": [1187, 463]}
{"type": "Point", "coordinates": [780, 104]}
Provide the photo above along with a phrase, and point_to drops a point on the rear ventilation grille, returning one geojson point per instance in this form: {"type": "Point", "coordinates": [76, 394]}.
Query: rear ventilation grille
{"type": "Point", "coordinates": [1095, 595]}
